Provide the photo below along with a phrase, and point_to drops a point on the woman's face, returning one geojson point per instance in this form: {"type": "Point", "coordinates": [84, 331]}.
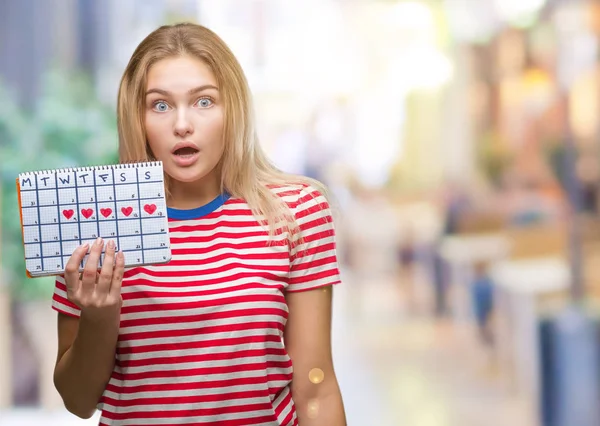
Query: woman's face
{"type": "Point", "coordinates": [184, 119]}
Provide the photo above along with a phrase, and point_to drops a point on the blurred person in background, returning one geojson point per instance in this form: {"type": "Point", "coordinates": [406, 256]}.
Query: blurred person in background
{"type": "Point", "coordinates": [235, 330]}
{"type": "Point", "coordinates": [482, 297]}
{"type": "Point", "coordinates": [407, 262]}
{"type": "Point", "coordinates": [455, 204]}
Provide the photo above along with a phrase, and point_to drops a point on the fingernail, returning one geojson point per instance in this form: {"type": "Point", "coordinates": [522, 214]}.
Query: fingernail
{"type": "Point", "coordinates": [111, 244]}
{"type": "Point", "coordinates": [99, 241]}
{"type": "Point", "coordinates": [85, 246]}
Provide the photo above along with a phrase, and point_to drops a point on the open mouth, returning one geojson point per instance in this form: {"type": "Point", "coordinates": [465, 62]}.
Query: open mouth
{"type": "Point", "coordinates": [187, 151]}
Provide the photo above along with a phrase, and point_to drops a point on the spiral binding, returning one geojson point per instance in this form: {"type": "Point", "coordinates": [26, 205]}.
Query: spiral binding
{"type": "Point", "coordinates": [127, 165]}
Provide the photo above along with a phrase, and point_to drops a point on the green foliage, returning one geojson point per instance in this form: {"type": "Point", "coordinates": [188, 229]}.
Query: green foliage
{"type": "Point", "coordinates": [68, 127]}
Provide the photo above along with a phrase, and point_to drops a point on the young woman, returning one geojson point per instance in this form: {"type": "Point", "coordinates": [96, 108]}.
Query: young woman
{"type": "Point", "coordinates": [235, 330]}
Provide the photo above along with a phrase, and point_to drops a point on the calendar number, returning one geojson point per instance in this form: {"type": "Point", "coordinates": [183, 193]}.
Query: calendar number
{"type": "Point", "coordinates": [137, 246]}
{"type": "Point", "coordinates": [33, 203]}
{"type": "Point", "coordinates": [163, 245]}
{"type": "Point", "coordinates": [38, 267]}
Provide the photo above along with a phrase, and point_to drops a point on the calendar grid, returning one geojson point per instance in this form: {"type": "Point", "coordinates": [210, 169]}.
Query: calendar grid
{"type": "Point", "coordinates": [79, 221]}
{"type": "Point", "coordinates": [147, 234]}
{"type": "Point", "coordinates": [62, 262]}
{"type": "Point", "coordinates": [97, 213]}
{"type": "Point", "coordinates": [106, 184]}
{"type": "Point", "coordinates": [124, 219]}
{"type": "Point", "coordinates": [137, 173]}
{"type": "Point", "coordinates": [133, 208]}
{"type": "Point", "coordinates": [39, 221]}
{"type": "Point", "coordinates": [74, 204]}
{"type": "Point", "coordinates": [150, 234]}
{"type": "Point", "coordinates": [118, 246]}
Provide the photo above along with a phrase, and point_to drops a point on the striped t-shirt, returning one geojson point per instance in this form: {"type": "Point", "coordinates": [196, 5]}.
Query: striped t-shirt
{"type": "Point", "coordinates": [201, 338]}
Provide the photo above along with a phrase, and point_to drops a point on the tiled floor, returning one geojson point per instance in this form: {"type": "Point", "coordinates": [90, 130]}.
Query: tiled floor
{"type": "Point", "coordinates": [394, 369]}
{"type": "Point", "coordinates": [421, 372]}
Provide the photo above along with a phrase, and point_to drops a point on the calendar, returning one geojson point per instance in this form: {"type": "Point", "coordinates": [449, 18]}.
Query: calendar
{"type": "Point", "coordinates": [62, 209]}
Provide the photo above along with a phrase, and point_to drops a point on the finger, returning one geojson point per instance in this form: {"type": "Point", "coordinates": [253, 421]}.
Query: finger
{"type": "Point", "coordinates": [106, 273]}
{"type": "Point", "coordinates": [72, 267]}
{"type": "Point", "coordinates": [117, 279]}
{"type": "Point", "coordinates": [90, 269]}
{"type": "Point", "coordinates": [97, 276]}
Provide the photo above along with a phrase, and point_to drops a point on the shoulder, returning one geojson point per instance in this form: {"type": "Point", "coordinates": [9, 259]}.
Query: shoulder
{"type": "Point", "coordinates": [302, 196]}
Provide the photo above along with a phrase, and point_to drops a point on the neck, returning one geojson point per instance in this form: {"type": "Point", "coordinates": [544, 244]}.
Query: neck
{"type": "Point", "coordinates": [190, 195]}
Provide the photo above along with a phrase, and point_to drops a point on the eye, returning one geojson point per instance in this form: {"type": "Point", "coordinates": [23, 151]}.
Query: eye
{"type": "Point", "coordinates": [160, 106]}
{"type": "Point", "coordinates": [204, 102]}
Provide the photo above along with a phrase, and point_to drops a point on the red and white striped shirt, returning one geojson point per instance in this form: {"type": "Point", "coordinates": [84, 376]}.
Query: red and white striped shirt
{"type": "Point", "coordinates": [201, 338]}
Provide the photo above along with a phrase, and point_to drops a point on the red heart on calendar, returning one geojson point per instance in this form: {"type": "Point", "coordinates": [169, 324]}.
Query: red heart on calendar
{"type": "Point", "coordinates": [126, 210]}
{"type": "Point", "coordinates": [87, 213]}
{"type": "Point", "coordinates": [150, 208]}
{"type": "Point", "coordinates": [68, 213]}
{"type": "Point", "coordinates": [106, 212]}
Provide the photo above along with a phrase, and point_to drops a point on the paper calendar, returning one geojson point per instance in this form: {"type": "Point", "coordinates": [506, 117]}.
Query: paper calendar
{"type": "Point", "coordinates": [62, 209]}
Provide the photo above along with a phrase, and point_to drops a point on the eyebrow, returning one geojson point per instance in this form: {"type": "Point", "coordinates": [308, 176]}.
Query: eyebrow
{"type": "Point", "coordinates": [190, 92]}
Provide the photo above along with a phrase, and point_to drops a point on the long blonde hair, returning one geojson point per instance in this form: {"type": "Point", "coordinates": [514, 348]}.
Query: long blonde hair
{"type": "Point", "coordinates": [246, 172]}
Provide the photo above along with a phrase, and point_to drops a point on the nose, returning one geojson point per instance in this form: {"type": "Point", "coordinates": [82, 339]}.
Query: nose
{"type": "Point", "coordinates": [183, 125]}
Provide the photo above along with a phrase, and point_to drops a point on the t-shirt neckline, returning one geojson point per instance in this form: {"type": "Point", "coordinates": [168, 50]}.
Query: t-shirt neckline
{"type": "Point", "coordinates": [198, 212]}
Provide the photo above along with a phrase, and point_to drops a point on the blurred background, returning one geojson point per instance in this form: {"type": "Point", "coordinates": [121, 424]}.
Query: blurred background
{"type": "Point", "coordinates": [460, 140]}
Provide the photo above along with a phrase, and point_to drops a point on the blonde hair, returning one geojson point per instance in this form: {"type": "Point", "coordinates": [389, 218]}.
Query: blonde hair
{"type": "Point", "coordinates": [246, 172]}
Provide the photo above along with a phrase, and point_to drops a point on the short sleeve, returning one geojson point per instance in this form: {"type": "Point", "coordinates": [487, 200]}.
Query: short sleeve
{"type": "Point", "coordinates": [60, 302]}
{"type": "Point", "coordinates": [313, 258]}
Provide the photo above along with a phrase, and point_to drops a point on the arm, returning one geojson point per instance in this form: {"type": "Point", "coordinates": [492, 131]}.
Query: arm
{"type": "Point", "coordinates": [307, 337]}
{"type": "Point", "coordinates": [308, 342]}
{"type": "Point", "coordinates": [86, 345]}
{"type": "Point", "coordinates": [85, 362]}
